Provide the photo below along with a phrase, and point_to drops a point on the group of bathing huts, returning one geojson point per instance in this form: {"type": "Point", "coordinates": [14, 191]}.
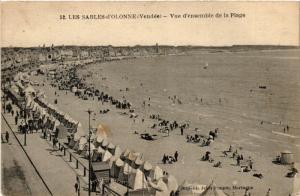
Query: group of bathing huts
{"type": "Point", "coordinates": [127, 167]}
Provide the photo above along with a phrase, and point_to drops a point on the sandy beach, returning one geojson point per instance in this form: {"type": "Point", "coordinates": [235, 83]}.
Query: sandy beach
{"type": "Point", "coordinates": [231, 101]}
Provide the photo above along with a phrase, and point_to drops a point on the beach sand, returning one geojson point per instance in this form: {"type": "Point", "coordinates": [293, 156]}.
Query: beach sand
{"type": "Point", "coordinates": [233, 77]}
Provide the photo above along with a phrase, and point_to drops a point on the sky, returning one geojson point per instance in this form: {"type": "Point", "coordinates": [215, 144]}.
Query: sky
{"type": "Point", "coordinates": [36, 23]}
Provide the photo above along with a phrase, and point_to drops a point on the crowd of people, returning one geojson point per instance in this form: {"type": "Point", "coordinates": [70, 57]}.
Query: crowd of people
{"type": "Point", "coordinates": [169, 159]}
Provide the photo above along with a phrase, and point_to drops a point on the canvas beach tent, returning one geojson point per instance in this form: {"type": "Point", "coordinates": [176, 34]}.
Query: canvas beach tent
{"type": "Point", "coordinates": [93, 137]}
{"type": "Point", "coordinates": [104, 143]}
{"type": "Point", "coordinates": [139, 161]}
{"type": "Point", "coordinates": [79, 132]}
{"type": "Point", "coordinates": [111, 147]}
{"type": "Point", "coordinates": [132, 156]}
{"type": "Point", "coordinates": [83, 151]}
{"type": "Point", "coordinates": [171, 182]}
{"type": "Point", "coordinates": [92, 148]}
{"type": "Point", "coordinates": [76, 138]}
{"type": "Point", "coordinates": [111, 161]}
{"type": "Point", "coordinates": [124, 173]}
{"type": "Point", "coordinates": [82, 142]}
{"type": "Point", "coordinates": [106, 156]}
{"type": "Point", "coordinates": [156, 173]}
{"type": "Point", "coordinates": [98, 140]}
{"type": "Point", "coordinates": [125, 154]}
{"type": "Point", "coordinates": [98, 152]}
{"type": "Point", "coordinates": [82, 145]}
{"type": "Point", "coordinates": [117, 151]}
{"type": "Point", "coordinates": [137, 180]}
{"type": "Point", "coordinates": [147, 166]}
{"type": "Point", "coordinates": [116, 168]}
{"type": "Point", "coordinates": [160, 188]}
{"type": "Point", "coordinates": [96, 155]}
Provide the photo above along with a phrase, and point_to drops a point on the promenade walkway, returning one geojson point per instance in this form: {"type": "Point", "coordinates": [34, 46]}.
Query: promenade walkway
{"type": "Point", "coordinates": [18, 175]}
{"type": "Point", "coordinates": [56, 172]}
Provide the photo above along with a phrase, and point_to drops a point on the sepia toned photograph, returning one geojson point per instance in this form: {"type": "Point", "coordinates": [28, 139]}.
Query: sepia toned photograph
{"type": "Point", "coordinates": [150, 98]}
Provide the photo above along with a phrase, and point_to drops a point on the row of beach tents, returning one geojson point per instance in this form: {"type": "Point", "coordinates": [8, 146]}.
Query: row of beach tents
{"type": "Point", "coordinates": [126, 167]}
{"type": "Point", "coordinates": [131, 169]}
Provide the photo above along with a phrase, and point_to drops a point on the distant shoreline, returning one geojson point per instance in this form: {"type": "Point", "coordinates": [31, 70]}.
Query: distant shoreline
{"type": "Point", "coordinates": [258, 47]}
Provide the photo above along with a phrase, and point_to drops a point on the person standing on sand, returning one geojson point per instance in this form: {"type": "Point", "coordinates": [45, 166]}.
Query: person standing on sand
{"type": "Point", "coordinates": [77, 188]}
{"type": "Point", "coordinates": [16, 119]}
{"type": "Point", "coordinates": [176, 156]}
{"type": "Point", "coordinates": [144, 104]}
{"type": "Point", "coordinates": [164, 160]}
{"type": "Point", "coordinates": [251, 164]}
{"type": "Point", "coordinates": [269, 192]}
{"type": "Point", "coordinates": [7, 136]}
{"type": "Point", "coordinates": [238, 159]}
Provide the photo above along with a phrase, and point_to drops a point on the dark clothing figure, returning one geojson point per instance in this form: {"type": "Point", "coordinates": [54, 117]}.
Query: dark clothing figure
{"type": "Point", "coordinates": [76, 186]}
{"type": "Point", "coordinates": [206, 156]}
{"type": "Point", "coordinates": [94, 185]}
{"type": "Point", "coordinates": [16, 119]}
{"type": "Point", "coordinates": [54, 141]}
{"type": "Point", "coordinates": [7, 136]}
{"type": "Point", "coordinates": [181, 130]}
{"type": "Point", "coordinates": [176, 156]}
{"type": "Point", "coordinates": [251, 164]}
{"type": "Point", "coordinates": [238, 160]}
{"type": "Point", "coordinates": [164, 160]}
{"type": "Point", "coordinates": [69, 139]}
